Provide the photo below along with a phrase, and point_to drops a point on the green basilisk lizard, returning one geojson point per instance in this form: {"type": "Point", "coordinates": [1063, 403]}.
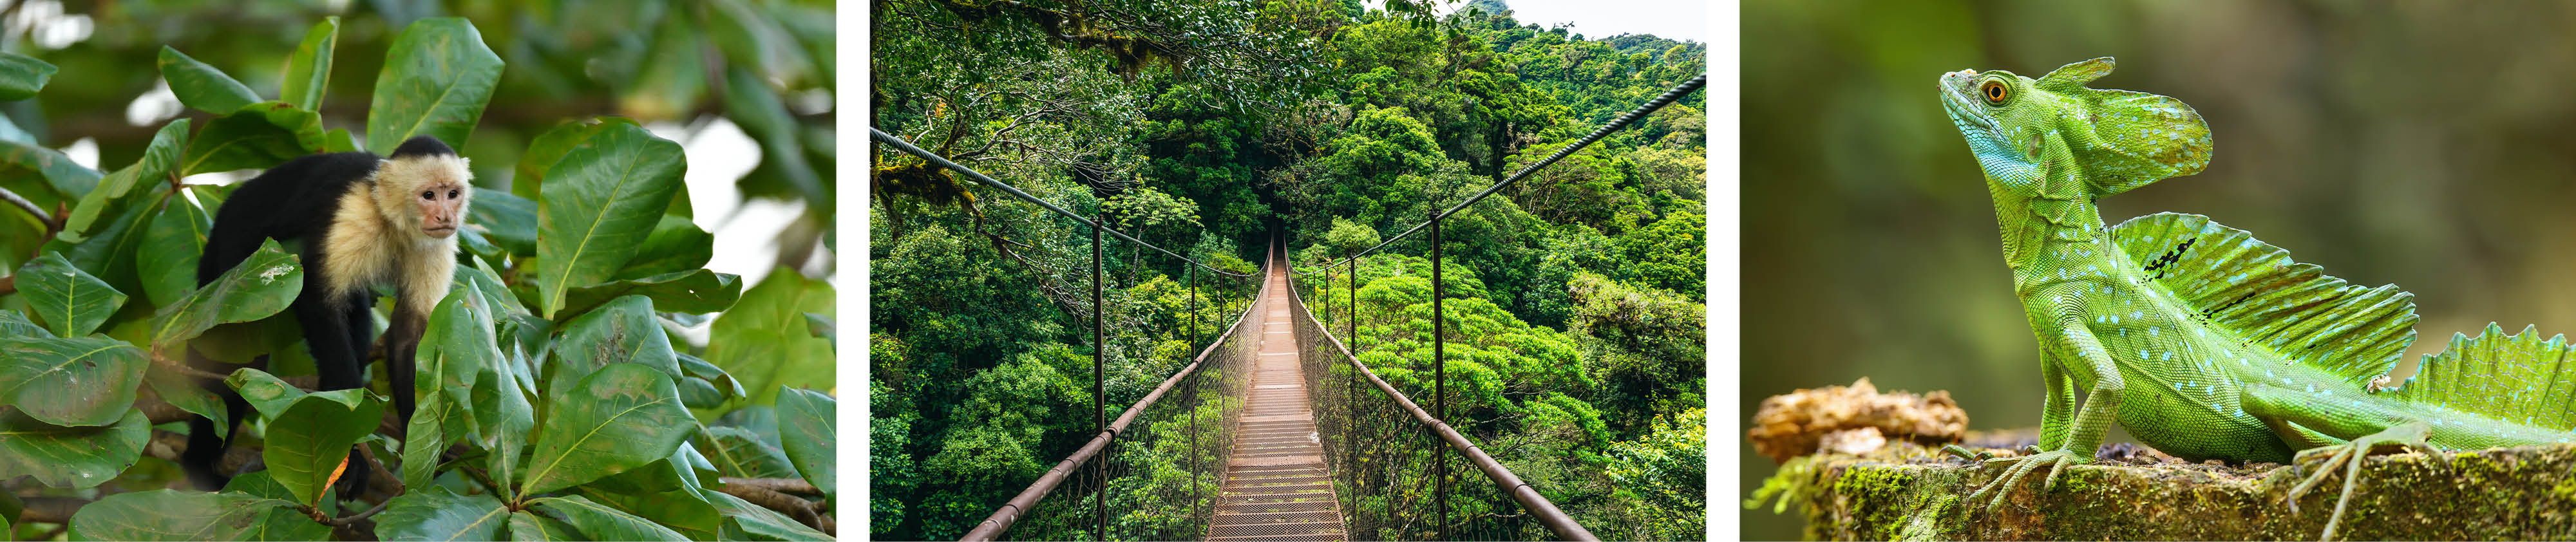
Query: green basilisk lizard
{"type": "Point", "coordinates": [2200, 340]}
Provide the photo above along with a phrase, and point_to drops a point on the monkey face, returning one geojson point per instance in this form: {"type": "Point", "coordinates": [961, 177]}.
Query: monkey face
{"type": "Point", "coordinates": [442, 208]}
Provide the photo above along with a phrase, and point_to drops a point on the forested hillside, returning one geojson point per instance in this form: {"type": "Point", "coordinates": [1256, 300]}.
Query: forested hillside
{"type": "Point", "coordinates": [1575, 297]}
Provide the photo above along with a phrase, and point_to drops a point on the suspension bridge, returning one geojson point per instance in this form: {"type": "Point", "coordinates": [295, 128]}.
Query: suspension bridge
{"type": "Point", "coordinates": [1276, 430]}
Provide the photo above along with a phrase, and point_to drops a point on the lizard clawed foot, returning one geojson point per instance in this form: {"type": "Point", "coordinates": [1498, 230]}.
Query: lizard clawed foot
{"type": "Point", "coordinates": [2324, 459]}
{"type": "Point", "coordinates": [2018, 467]}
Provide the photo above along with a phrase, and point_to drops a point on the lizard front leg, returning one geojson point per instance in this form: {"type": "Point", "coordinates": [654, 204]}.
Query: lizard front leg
{"type": "Point", "coordinates": [2066, 442]}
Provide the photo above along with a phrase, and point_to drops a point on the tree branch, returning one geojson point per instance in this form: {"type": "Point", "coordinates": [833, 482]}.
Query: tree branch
{"type": "Point", "coordinates": [782, 485]}
{"type": "Point", "coordinates": [783, 503]}
{"type": "Point", "coordinates": [14, 199]}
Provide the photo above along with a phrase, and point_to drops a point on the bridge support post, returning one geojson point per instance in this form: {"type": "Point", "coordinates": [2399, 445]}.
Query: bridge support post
{"type": "Point", "coordinates": [1439, 384]}
{"type": "Point", "coordinates": [1099, 419]}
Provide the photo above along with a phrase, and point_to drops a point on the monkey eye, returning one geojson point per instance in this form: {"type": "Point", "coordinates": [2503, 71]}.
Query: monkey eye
{"type": "Point", "coordinates": [428, 195]}
{"type": "Point", "coordinates": [451, 194]}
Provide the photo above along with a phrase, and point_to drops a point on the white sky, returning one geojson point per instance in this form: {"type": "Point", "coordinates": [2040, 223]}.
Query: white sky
{"type": "Point", "coordinates": [1670, 19]}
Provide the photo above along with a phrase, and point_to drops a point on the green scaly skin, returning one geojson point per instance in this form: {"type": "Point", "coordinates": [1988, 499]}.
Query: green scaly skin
{"type": "Point", "coordinates": [2155, 333]}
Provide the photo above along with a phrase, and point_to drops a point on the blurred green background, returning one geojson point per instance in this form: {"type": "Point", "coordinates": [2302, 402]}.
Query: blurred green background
{"type": "Point", "coordinates": [2421, 144]}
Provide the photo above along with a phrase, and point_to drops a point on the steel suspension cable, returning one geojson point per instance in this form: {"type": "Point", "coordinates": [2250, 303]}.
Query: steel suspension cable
{"type": "Point", "coordinates": [908, 148]}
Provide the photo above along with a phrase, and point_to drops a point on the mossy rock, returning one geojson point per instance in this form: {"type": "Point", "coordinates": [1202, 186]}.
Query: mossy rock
{"type": "Point", "coordinates": [1909, 492]}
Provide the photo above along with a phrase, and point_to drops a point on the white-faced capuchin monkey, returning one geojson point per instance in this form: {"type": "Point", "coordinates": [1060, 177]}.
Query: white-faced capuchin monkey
{"type": "Point", "coordinates": [366, 222]}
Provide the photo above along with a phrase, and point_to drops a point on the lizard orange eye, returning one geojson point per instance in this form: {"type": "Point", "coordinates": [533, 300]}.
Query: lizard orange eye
{"type": "Point", "coordinates": [1996, 92]}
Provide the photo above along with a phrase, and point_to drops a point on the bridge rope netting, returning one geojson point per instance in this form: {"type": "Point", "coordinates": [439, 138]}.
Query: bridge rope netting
{"type": "Point", "coordinates": [1277, 430]}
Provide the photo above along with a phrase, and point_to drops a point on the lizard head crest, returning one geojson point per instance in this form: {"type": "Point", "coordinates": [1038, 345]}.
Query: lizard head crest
{"type": "Point", "coordinates": [2116, 139]}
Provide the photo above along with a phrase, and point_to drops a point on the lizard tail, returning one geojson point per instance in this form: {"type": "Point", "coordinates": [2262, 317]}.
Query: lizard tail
{"type": "Point", "coordinates": [2519, 378]}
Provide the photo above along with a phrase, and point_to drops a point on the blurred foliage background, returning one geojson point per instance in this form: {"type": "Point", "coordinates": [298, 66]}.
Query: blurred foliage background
{"type": "Point", "coordinates": [2416, 144]}
{"type": "Point", "coordinates": [685, 68]}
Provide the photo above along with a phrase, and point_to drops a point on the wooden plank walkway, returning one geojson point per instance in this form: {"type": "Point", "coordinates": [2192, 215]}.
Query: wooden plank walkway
{"type": "Point", "coordinates": [1276, 484]}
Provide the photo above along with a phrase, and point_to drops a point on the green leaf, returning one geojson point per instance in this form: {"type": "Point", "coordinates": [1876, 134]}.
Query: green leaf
{"type": "Point", "coordinates": [281, 523]}
{"type": "Point", "coordinates": [622, 416]}
{"type": "Point", "coordinates": [203, 87]}
{"type": "Point", "coordinates": [598, 205]}
{"type": "Point", "coordinates": [15, 324]}
{"type": "Point", "coordinates": [260, 286]}
{"type": "Point", "coordinates": [258, 135]}
{"type": "Point", "coordinates": [155, 164]}
{"type": "Point", "coordinates": [165, 514]}
{"type": "Point", "coordinates": [720, 381]}
{"type": "Point", "coordinates": [550, 148]}
{"type": "Point", "coordinates": [621, 331]}
{"type": "Point", "coordinates": [764, 342]}
{"type": "Point", "coordinates": [265, 392]}
{"type": "Point", "coordinates": [692, 291]}
{"type": "Point", "coordinates": [601, 522]}
{"type": "Point", "coordinates": [308, 71]}
{"type": "Point", "coordinates": [190, 394]}
{"type": "Point", "coordinates": [435, 513]}
{"type": "Point", "coordinates": [436, 79]}
{"type": "Point", "coordinates": [22, 75]}
{"type": "Point", "coordinates": [71, 457]}
{"type": "Point", "coordinates": [75, 381]}
{"type": "Point", "coordinates": [758, 523]}
{"type": "Point", "coordinates": [741, 453]}
{"type": "Point", "coordinates": [805, 429]}
{"type": "Point", "coordinates": [308, 443]}
{"type": "Point", "coordinates": [662, 491]}
{"type": "Point", "coordinates": [675, 245]}
{"type": "Point", "coordinates": [71, 302]}
{"type": "Point", "coordinates": [167, 261]}
{"type": "Point", "coordinates": [457, 348]}
{"type": "Point", "coordinates": [530, 527]}
{"type": "Point", "coordinates": [69, 179]}
{"type": "Point", "coordinates": [426, 438]}
{"type": "Point", "coordinates": [503, 218]}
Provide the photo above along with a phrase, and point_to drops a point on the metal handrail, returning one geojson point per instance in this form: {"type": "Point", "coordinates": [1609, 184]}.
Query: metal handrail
{"type": "Point", "coordinates": [908, 148]}
{"type": "Point", "coordinates": [1539, 507]}
{"type": "Point", "coordinates": [1002, 518]}
{"type": "Point", "coordinates": [1633, 115]}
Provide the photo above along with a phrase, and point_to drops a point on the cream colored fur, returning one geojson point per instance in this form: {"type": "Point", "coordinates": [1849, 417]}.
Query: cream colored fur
{"type": "Point", "coordinates": [377, 230]}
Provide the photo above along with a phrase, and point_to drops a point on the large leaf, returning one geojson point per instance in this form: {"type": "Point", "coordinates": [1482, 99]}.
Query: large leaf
{"type": "Point", "coordinates": [68, 178]}
{"type": "Point", "coordinates": [280, 523]}
{"type": "Point", "coordinates": [602, 522]}
{"type": "Point", "coordinates": [164, 514]}
{"type": "Point", "coordinates": [79, 381]}
{"type": "Point", "coordinates": [434, 513]}
{"type": "Point", "coordinates": [308, 71]}
{"type": "Point", "coordinates": [598, 205]}
{"type": "Point", "coordinates": [71, 457]}
{"type": "Point", "coordinates": [526, 526]}
{"type": "Point", "coordinates": [309, 443]}
{"type": "Point", "coordinates": [550, 147]}
{"type": "Point", "coordinates": [621, 331]}
{"type": "Point", "coordinates": [189, 393]}
{"type": "Point", "coordinates": [765, 342]}
{"type": "Point", "coordinates": [675, 245]}
{"type": "Point", "coordinates": [662, 491]}
{"type": "Point", "coordinates": [167, 262]}
{"type": "Point", "coordinates": [805, 429]}
{"type": "Point", "coordinates": [741, 453]}
{"type": "Point", "coordinates": [435, 81]}
{"type": "Point", "coordinates": [692, 291]}
{"type": "Point", "coordinates": [158, 158]}
{"type": "Point", "coordinates": [260, 286]}
{"type": "Point", "coordinates": [457, 348]}
{"type": "Point", "coordinates": [747, 521]}
{"type": "Point", "coordinates": [426, 438]}
{"type": "Point", "coordinates": [15, 324]}
{"type": "Point", "coordinates": [503, 218]}
{"type": "Point", "coordinates": [22, 75]}
{"type": "Point", "coordinates": [622, 416]}
{"type": "Point", "coordinates": [71, 302]}
{"type": "Point", "coordinates": [202, 87]}
{"type": "Point", "coordinates": [258, 135]}
{"type": "Point", "coordinates": [265, 392]}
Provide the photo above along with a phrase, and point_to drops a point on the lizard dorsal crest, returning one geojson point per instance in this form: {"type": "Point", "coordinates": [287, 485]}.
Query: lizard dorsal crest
{"type": "Point", "coordinates": [2136, 138]}
{"type": "Point", "coordinates": [2253, 290]}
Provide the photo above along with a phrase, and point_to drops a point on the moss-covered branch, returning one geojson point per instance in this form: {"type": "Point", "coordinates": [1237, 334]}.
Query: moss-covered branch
{"type": "Point", "coordinates": [1906, 491]}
